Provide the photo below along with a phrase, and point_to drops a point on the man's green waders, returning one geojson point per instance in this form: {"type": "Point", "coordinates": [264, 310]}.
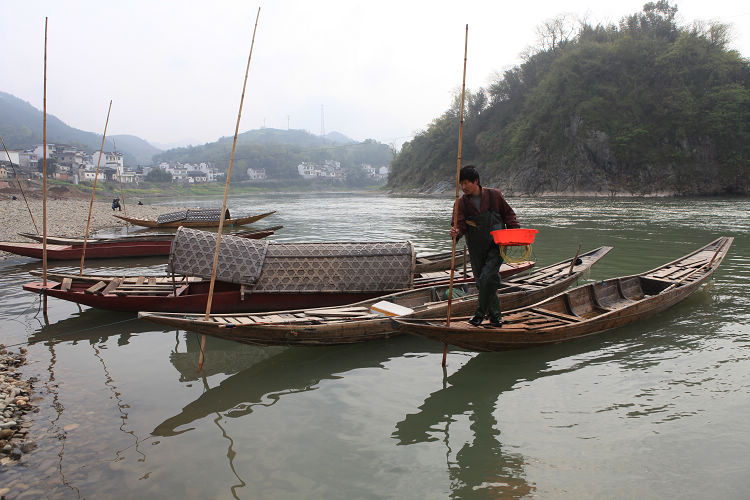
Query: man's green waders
{"type": "Point", "coordinates": [485, 260]}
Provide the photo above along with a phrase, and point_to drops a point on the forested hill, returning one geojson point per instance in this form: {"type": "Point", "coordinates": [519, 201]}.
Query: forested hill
{"type": "Point", "coordinates": [280, 151]}
{"type": "Point", "coordinates": [646, 106]}
{"type": "Point", "coordinates": [21, 128]}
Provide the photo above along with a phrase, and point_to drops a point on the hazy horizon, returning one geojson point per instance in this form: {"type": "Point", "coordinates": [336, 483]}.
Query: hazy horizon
{"type": "Point", "coordinates": [174, 70]}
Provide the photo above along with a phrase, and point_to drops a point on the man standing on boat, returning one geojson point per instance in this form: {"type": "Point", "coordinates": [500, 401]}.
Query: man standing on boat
{"type": "Point", "coordinates": [481, 210]}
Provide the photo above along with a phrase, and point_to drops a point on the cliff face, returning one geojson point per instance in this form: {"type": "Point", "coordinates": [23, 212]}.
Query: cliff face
{"type": "Point", "coordinates": [590, 167]}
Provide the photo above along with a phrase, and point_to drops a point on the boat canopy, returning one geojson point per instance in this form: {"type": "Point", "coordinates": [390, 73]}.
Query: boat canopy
{"type": "Point", "coordinates": [195, 215]}
{"type": "Point", "coordinates": [296, 267]}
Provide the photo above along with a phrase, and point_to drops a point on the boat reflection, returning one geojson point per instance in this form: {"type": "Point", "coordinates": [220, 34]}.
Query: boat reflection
{"type": "Point", "coordinates": [221, 356]}
{"type": "Point", "coordinates": [290, 370]}
{"type": "Point", "coordinates": [92, 326]}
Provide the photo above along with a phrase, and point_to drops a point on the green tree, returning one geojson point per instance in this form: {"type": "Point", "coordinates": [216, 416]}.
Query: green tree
{"type": "Point", "coordinates": [158, 175]}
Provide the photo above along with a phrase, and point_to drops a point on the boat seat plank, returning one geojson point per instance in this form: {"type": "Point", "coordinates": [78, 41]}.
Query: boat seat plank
{"type": "Point", "coordinates": [140, 280]}
{"type": "Point", "coordinates": [112, 285]}
{"type": "Point", "coordinates": [95, 287]}
{"type": "Point", "coordinates": [152, 281]}
{"type": "Point", "coordinates": [66, 283]}
{"type": "Point", "coordinates": [244, 320]}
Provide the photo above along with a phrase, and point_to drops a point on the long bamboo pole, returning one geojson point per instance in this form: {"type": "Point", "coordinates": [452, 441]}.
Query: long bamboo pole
{"type": "Point", "coordinates": [20, 186]}
{"type": "Point", "coordinates": [44, 174]}
{"type": "Point", "coordinates": [226, 193]}
{"type": "Point", "coordinates": [458, 188]}
{"type": "Point", "coordinates": [93, 189]}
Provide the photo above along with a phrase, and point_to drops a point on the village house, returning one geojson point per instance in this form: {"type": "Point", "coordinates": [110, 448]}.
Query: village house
{"type": "Point", "coordinates": [109, 160]}
{"type": "Point", "coordinates": [256, 175]}
{"type": "Point", "coordinates": [329, 168]}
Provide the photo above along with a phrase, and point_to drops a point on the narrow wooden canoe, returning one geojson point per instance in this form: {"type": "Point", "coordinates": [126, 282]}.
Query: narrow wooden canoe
{"type": "Point", "coordinates": [582, 311]}
{"type": "Point", "coordinates": [110, 248]}
{"type": "Point", "coordinates": [62, 240]}
{"type": "Point", "coordinates": [357, 322]}
{"type": "Point", "coordinates": [241, 221]}
{"type": "Point", "coordinates": [186, 295]}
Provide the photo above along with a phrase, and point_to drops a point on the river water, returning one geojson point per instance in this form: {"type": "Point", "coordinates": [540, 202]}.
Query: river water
{"type": "Point", "coordinates": [658, 409]}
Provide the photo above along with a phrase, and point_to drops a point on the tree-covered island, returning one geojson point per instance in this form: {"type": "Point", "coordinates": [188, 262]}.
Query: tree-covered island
{"type": "Point", "coordinates": [640, 108]}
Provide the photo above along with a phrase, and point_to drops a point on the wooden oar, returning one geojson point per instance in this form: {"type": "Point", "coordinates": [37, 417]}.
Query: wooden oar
{"type": "Point", "coordinates": [458, 186]}
{"type": "Point", "coordinates": [19, 185]}
{"type": "Point", "coordinates": [224, 203]}
{"type": "Point", "coordinates": [93, 189]}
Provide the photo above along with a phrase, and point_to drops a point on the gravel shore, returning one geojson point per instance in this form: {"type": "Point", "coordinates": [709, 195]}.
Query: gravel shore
{"type": "Point", "coordinates": [15, 397]}
{"type": "Point", "coordinates": [66, 217]}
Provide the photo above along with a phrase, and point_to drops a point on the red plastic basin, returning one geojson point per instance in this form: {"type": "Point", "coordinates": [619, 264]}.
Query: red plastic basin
{"type": "Point", "coordinates": [514, 237]}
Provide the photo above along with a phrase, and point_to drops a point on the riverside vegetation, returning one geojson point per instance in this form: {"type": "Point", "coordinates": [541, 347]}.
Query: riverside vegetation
{"type": "Point", "coordinates": [644, 107]}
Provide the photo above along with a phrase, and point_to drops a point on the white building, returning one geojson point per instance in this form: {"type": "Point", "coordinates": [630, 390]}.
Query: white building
{"type": "Point", "coordinates": [109, 159]}
{"type": "Point", "coordinates": [89, 175]}
{"type": "Point", "coordinates": [256, 175]}
{"type": "Point", "coordinates": [14, 157]}
{"type": "Point", "coordinates": [330, 168]}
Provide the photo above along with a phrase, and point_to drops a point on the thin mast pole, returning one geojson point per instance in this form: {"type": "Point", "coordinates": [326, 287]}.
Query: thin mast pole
{"type": "Point", "coordinates": [458, 185]}
{"type": "Point", "coordinates": [19, 185]}
{"type": "Point", "coordinates": [226, 193]}
{"type": "Point", "coordinates": [93, 189]}
{"type": "Point", "coordinates": [44, 174]}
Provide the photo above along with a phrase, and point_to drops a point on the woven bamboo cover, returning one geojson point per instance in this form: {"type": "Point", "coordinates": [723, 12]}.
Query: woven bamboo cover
{"type": "Point", "coordinates": [240, 259]}
{"type": "Point", "coordinates": [203, 214]}
{"type": "Point", "coordinates": [296, 267]}
{"type": "Point", "coordinates": [337, 267]}
{"type": "Point", "coordinates": [171, 217]}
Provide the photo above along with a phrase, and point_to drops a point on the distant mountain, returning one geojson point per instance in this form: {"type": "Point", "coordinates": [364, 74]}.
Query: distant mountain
{"type": "Point", "coordinates": [294, 137]}
{"type": "Point", "coordinates": [21, 128]}
{"type": "Point", "coordinates": [339, 138]}
{"type": "Point", "coordinates": [279, 152]}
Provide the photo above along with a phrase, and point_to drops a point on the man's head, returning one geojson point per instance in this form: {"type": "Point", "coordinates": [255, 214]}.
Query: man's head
{"type": "Point", "coordinates": [469, 180]}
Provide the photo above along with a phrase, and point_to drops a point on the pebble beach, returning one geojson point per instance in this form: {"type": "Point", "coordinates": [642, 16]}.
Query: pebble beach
{"type": "Point", "coordinates": [66, 217]}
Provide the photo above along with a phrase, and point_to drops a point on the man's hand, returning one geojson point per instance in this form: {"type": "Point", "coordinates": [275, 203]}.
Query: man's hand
{"type": "Point", "coordinates": [454, 232]}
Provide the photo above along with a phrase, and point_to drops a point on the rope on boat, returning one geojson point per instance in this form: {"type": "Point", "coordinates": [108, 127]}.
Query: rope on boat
{"type": "Point", "coordinates": [512, 258]}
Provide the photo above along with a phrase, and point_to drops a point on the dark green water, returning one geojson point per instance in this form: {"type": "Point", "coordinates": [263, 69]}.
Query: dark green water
{"type": "Point", "coordinates": [657, 409]}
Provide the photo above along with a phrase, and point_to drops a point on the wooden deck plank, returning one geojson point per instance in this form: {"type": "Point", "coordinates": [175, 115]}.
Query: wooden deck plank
{"type": "Point", "coordinates": [555, 314]}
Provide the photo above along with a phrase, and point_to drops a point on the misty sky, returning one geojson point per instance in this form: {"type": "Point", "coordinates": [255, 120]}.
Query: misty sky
{"type": "Point", "coordinates": [381, 69]}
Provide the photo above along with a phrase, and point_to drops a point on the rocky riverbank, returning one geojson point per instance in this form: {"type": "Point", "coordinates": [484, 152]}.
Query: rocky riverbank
{"type": "Point", "coordinates": [15, 405]}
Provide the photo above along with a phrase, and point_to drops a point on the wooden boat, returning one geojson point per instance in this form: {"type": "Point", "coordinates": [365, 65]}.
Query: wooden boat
{"type": "Point", "coordinates": [585, 310]}
{"type": "Point", "coordinates": [190, 294]}
{"type": "Point", "coordinates": [439, 262]}
{"type": "Point", "coordinates": [359, 322]}
{"type": "Point", "coordinates": [198, 222]}
{"type": "Point", "coordinates": [148, 245]}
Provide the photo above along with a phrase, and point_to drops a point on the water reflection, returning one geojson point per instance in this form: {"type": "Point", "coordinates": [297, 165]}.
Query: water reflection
{"type": "Point", "coordinates": [288, 370]}
{"type": "Point", "coordinates": [221, 356]}
{"type": "Point", "coordinates": [92, 326]}
{"type": "Point", "coordinates": [480, 465]}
